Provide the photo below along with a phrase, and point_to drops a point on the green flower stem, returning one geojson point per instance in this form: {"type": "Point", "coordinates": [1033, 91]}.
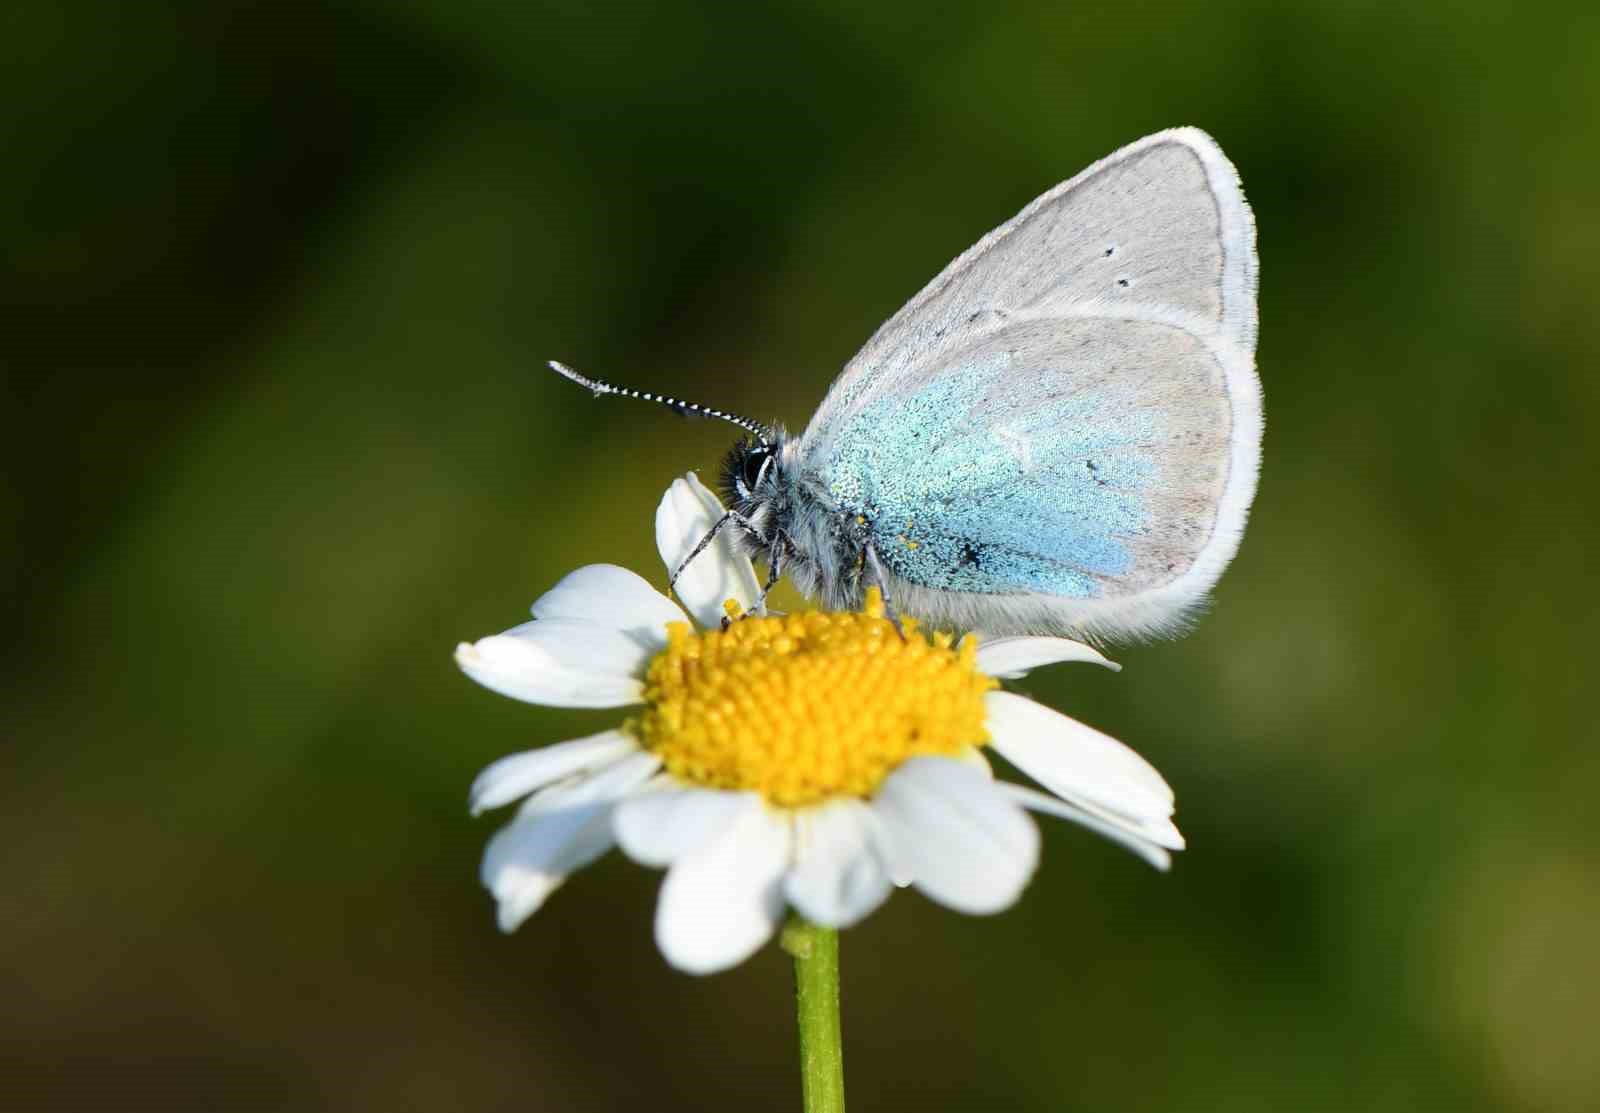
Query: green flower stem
{"type": "Point", "coordinates": [816, 979]}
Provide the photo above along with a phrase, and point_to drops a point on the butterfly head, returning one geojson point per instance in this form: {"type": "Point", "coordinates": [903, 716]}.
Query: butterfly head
{"type": "Point", "coordinates": [753, 480]}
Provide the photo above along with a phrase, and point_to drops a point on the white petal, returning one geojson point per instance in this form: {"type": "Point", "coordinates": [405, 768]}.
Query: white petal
{"type": "Point", "coordinates": [839, 876]}
{"type": "Point", "coordinates": [615, 598]}
{"type": "Point", "coordinates": [519, 892]}
{"type": "Point", "coordinates": [1126, 834]}
{"type": "Point", "coordinates": [687, 512]}
{"type": "Point", "coordinates": [658, 828]}
{"type": "Point", "coordinates": [607, 786]}
{"type": "Point", "coordinates": [1075, 761]}
{"type": "Point", "coordinates": [518, 668]}
{"type": "Point", "coordinates": [965, 843]}
{"type": "Point", "coordinates": [514, 777]}
{"type": "Point", "coordinates": [581, 646]}
{"type": "Point", "coordinates": [973, 756]}
{"type": "Point", "coordinates": [888, 849]}
{"type": "Point", "coordinates": [721, 903]}
{"type": "Point", "coordinates": [530, 857]}
{"type": "Point", "coordinates": [1013, 657]}
{"type": "Point", "coordinates": [1157, 829]}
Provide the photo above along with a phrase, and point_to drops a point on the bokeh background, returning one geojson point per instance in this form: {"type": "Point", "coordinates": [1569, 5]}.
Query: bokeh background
{"type": "Point", "coordinates": [279, 282]}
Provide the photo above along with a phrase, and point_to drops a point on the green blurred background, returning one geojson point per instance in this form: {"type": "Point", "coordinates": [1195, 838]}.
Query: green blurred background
{"type": "Point", "coordinates": [279, 281]}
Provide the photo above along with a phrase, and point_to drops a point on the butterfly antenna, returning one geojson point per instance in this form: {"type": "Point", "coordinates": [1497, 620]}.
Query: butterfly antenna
{"type": "Point", "coordinates": [676, 405]}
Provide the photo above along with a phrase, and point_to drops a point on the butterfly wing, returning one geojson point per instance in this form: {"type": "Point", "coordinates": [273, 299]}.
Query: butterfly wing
{"type": "Point", "coordinates": [1062, 430]}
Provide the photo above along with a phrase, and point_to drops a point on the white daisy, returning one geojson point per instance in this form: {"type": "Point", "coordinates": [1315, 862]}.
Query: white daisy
{"type": "Point", "coordinates": [814, 760]}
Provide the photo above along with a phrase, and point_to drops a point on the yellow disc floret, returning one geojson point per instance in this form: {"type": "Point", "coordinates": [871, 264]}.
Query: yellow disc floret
{"type": "Point", "coordinates": [804, 707]}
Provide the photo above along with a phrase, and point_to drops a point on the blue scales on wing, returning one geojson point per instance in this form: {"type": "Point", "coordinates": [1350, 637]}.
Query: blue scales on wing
{"type": "Point", "coordinates": [966, 491]}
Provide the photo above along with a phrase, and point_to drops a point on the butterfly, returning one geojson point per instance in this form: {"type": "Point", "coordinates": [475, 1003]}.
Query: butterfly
{"type": "Point", "coordinates": [1060, 434]}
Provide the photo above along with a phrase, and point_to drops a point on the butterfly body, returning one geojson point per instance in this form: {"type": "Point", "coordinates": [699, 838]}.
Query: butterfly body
{"type": "Point", "coordinates": [1059, 434]}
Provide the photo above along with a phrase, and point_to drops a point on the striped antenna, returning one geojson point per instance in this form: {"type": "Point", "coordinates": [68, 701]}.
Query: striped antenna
{"type": "Point", "coordinates": [676, 405]}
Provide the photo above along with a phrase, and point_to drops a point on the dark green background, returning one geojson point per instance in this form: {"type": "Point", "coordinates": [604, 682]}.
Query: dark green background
{"type": "Point", "coordinates": [279, 279]}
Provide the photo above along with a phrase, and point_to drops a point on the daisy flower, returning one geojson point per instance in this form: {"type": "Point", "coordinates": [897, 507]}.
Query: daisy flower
{"type": "Point", "coordinates": [812, 760]}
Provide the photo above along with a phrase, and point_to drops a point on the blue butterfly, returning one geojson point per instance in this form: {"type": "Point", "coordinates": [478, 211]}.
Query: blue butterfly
{"type": "Point", "coordinates": [1060, 434]}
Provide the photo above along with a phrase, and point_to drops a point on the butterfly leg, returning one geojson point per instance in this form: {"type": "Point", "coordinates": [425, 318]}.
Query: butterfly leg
{"type": "Point", "coordinates": [749, 527]}
{"type": "Point", "coordinates": [774, 570]}
{"type": "Point", "coordinates": [705, 542]}
{"type": "Point", "coordinates": [880, 574]}
{"type": "Point", "coordinates": [775, 556]}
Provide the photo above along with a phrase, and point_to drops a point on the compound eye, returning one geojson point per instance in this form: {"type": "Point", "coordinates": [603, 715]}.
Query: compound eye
{"type": "Point", "coordinates": [752, 464]}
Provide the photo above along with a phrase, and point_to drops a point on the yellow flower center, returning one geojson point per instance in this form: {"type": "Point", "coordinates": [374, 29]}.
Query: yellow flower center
{"type": "Point", "coordinates": [804, 707]}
